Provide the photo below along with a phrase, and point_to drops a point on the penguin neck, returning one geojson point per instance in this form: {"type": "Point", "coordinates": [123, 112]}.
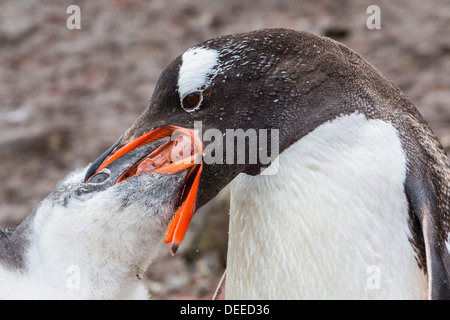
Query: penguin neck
{"type": "Point", "coordinates": [332, 222]}
{"type": "Point", "coordinates": [60, 261]}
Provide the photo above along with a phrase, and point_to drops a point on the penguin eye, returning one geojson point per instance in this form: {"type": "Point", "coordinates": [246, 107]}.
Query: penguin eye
{"type": "Point", "coordinates": [99, 178]}
{"type": "Point", "coordinates": [192, 101]}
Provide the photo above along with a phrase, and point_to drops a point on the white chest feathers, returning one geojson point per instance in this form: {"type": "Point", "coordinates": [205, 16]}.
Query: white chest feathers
{"type": "Point", "coordinates": [332, 223]}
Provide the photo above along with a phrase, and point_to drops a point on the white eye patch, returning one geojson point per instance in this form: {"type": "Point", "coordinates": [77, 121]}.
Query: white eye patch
{"type": "Point", "coordinates": [198, 64]}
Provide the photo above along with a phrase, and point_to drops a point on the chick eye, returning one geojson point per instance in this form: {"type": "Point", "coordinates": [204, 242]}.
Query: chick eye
{"type": "Point", "coordinates": [192, 101]}
{"type": "Point", "coordinates": [99, 178]}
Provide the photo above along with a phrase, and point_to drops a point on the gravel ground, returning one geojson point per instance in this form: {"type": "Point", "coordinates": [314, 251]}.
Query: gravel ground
{"type": "Point", "coordinates": [67, 95]}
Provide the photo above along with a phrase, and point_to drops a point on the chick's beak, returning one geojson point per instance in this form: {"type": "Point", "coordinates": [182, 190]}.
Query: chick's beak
{"type": "Point", "coordinates": [177, 154]}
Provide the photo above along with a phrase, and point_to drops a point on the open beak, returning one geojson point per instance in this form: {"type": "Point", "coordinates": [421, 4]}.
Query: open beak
{"type": "Point", "coordinates": [182, 151]}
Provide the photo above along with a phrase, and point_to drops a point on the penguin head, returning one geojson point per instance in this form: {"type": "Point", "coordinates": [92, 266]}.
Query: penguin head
{"type": "Point", "coordinates": [262, 80]}
{"type": "Point", "coordinates": [108, 218]}
{"type": "Point", "coordinates": [263, 83]}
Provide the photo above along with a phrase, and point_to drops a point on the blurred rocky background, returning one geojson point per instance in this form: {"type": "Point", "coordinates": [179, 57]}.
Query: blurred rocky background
{"type": "Point", "coordinates": [67, 95]}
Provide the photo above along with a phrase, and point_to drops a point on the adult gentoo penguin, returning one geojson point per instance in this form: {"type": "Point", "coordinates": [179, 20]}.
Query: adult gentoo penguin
{"type": "Point", "coordinates": [359, 206]}
{"type": "Point", "coordinates": [93, 239]}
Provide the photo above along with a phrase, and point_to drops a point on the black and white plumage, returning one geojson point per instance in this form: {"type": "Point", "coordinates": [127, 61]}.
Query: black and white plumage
{"type": "Point", "coordinates": [362, 181]}
{"type": "Point", "coordinates": [90, 240]}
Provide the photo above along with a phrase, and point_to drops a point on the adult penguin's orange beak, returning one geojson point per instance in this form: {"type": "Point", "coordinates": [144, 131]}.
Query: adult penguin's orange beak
{"type": "Point", "coordinates": [183, 151]}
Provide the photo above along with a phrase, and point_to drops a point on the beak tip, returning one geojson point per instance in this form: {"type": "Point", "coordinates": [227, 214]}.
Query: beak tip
{"type": "Point", "coordinates": [174, 248]}
{"type": "Point", "coordinates": [96, 164]}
